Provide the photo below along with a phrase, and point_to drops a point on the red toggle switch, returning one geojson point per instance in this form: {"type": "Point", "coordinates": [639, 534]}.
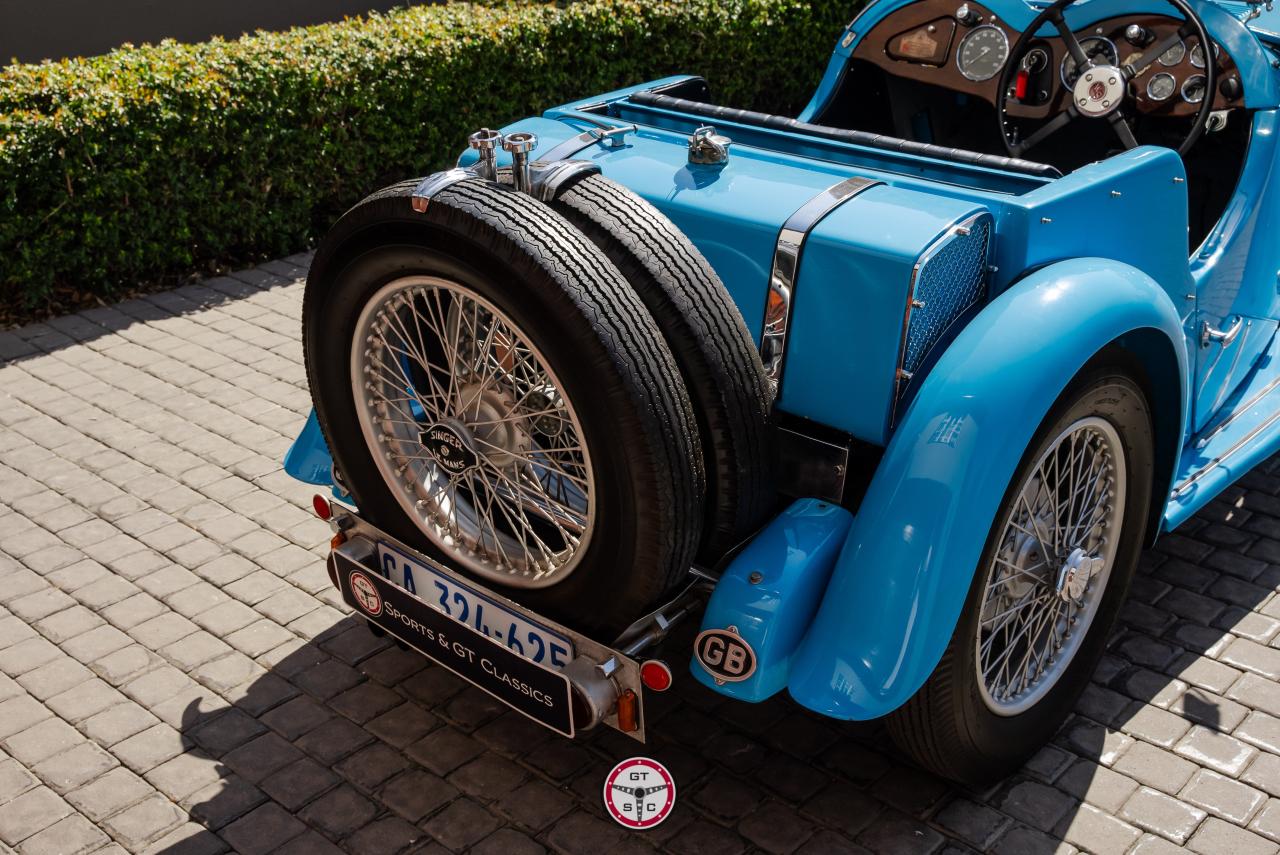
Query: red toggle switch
{"type": "Point", "coordinates": [1020, 84]}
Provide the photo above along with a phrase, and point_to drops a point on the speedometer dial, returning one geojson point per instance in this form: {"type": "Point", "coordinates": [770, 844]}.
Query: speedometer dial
{"type": "Point", "coordinates": [982, 53]}
{"type": "Point", "coordinates": [1099, 51]}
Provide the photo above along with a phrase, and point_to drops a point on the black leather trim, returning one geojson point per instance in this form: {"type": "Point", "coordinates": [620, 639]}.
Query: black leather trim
{"type": "Point", "coordinates": [782, 123]}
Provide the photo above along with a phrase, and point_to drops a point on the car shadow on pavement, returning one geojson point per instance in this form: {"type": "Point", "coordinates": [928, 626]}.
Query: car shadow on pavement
{"type": "Point", "coordinates": [351, 740]}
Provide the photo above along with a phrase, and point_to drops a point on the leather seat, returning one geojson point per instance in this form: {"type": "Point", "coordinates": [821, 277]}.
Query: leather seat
{"type": "Point", "coordinates": [880, 141]}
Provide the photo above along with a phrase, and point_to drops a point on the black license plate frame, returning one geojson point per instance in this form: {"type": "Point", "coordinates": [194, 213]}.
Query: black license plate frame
{"type": "Point", "coordinates": [538, 692]}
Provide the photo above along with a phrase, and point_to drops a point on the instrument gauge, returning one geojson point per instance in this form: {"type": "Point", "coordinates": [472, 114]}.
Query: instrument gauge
{"type": "Point", "coordinates": [982, 53]}
{"type": "Point", "coordinates": [1174, 55]}
{"type": "Point", "coordinates": [1197, 55]}
{"type": "Point", "coordinates": [1161, 87]}
{"type": "Point", "coordinates": [1193, 89]}
{"type": "Point", "coordinates": [1097, 50]}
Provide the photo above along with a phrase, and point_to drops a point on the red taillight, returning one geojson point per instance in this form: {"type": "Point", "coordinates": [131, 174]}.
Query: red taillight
{"type": "Point", "coordinates": [655, 675]}
{"type": "Point", "coordinates": [321, 506]}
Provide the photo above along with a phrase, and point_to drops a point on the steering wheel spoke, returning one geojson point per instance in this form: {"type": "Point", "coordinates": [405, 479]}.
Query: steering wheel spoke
{"type": "Point", "coordinates": [1073, 44]}
{"type": "Point", "coordinates": [1042, 133]}
{"type": "Point", "coordinates": [1123, 129]}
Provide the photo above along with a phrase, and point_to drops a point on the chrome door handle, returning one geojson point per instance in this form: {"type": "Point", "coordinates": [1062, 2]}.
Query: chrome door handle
{"type": "Point", "coordinates": [1224, 337]}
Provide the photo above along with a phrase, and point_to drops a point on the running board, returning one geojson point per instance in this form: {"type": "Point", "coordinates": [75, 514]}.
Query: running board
{"type": "Point", "coordinates": [1246, 434]}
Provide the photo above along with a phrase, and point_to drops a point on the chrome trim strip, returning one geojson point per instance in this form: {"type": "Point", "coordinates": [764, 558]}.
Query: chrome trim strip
{"type": "Point", "coordinates": [1237, 413]}
{"type": "Point", "coordinates": [960, 228]}
{"type": "Point", "coordinates": [570, 147]}
{"type": "Point", "coordinates": [786, 261]}
{"type": "Point", "coordinates": [1213, 464]}
{"type": "Point", "coordinates": [433, 184]}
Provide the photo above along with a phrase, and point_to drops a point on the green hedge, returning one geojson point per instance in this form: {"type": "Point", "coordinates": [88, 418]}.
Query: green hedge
{"type": "Point", "coordinates": [161, 160]}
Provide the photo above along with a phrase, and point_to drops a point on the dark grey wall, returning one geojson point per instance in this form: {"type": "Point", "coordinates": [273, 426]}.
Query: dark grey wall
{"type": "Point", "coordinates": [32, 30]}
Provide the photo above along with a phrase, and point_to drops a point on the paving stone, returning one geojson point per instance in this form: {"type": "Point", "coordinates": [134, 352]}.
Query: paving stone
{"type": "Point", "coordinates": [339, 812]}
{"type": "Point", "coordinates": [415, 794]}
{"type": "Point", "coordinates": [1165, 815]}
{"type": "Point", "coordinates": [1036, 804]}
{"type": "Point", "coordinates": [85, 700]}
{"type": "Point", "coordinates": [1224, 797]}
{"type": "Point", "coordinates": [14, 779]}
{"type": "Point", "coordinates": [68, 836]}
{"type": "Point", "coordinates": [144, 751]}
{"type": "Point", "coordinates": [897, 832]}
{"type": "Point", "coordinates": [1158, 769]}
{"type": "Point", "coordinates": [1095, 831]}
{"type": "Point", "coordinates": [144, 821]}
{"type": "Point", "coordinates": [1216, 836]}
{"type": "Point", "coordinates": [1021, 840]}
{"type": "Point", "coordinates": [116, 723]}
{"type": "Point", "coordinates": [185, 774]}
{"type": "Point", "coordinates": [1218, 751]}
{"type": "Point", "coordinates": [263, 830]}
{"type": "Point", "coordinates": [223, 801]}
{"type": "Point", "coordinates": [261, 757]}
{"type": "Point", "coordinates": [108, 793]}
{"type": "Point", "coordinates": [976, 824]}
{"type": "Point", "coordinates": [1267, 822]}
{"type": "Point", "coordinates": [40, 741]}
{"type": "Point", "coordinates": [298, 783]}
{"type": "Point", "coordinates": [188, 839]}
{"type": "Point", "coordinates": [73, 767]}
{"type": "Point", "coordinates": [1264, 773]}
{"type": "Point", "coordinates": [33, 811]}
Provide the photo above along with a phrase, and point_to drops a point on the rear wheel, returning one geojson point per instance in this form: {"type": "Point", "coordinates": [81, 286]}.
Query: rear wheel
{"type": "Point", "coordinates": [494, 393]}
{"type": "Point", "coordinates": [1052, 578]}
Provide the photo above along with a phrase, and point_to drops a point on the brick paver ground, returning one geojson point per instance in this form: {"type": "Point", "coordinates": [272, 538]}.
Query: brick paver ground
{"type": "Point", "coordinates": [176, 674]}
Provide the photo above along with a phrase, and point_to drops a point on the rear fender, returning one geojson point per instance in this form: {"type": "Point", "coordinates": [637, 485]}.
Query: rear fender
{"type": "Point", "coordinates": [308, 459]}
{"type": "Point", "coordinates": [904, 572]}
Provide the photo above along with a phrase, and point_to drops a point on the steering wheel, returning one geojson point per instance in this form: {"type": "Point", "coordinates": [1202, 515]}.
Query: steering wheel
{"type": "Point", "coordinates": [1100, 91]}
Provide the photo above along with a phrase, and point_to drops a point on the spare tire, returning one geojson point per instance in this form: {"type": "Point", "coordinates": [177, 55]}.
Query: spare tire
{"type": "Point", "coordinates": [717, 358]}
{"type": "Point", "coordinates": [494, 392]}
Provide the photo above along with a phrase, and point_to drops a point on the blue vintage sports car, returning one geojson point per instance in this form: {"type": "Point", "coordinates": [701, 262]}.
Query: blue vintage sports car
{"type": "Point", "coordinates": [892, 392]}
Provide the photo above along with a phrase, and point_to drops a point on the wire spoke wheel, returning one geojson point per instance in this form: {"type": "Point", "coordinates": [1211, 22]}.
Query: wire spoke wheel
{"type": "Point", "coordinates": [470, 429]}
{"type": "Point", "coordinates": [1050, 569]}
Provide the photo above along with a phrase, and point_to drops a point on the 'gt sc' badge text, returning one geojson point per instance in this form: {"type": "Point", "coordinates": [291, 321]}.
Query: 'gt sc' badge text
{"type": "Point", "coordinates": [724, 655]}
{"type": "Point", "coordinates": [639, 793]}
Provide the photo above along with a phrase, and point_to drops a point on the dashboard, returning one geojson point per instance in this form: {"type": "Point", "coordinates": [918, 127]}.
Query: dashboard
{"type": "Point", "coordinates": [964, 47]}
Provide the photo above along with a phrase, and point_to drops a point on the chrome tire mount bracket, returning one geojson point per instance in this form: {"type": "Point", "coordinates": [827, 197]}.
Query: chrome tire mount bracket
{"type": "Point", "coordinates": [484, 141]}
{"type": "Point", "coordinates": [786, 262]}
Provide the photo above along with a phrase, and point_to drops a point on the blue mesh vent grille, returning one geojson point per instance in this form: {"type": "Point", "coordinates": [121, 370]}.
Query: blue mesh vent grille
{"type": "Point", "coordinates": [950, 281]}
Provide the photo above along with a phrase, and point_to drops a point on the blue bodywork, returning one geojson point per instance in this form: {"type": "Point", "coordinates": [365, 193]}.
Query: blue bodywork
{"type": "Point", "coordinates": [852, 611]}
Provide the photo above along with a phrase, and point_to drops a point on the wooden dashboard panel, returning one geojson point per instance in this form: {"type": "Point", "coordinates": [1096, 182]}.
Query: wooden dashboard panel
{"type": "Point", "coordinates": [921, 42]}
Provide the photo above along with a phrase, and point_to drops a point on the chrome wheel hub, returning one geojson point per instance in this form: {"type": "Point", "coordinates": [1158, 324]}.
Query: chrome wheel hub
{"type": "Point", "coordinates": [467, 425]}
{"type": "Point", "coordinates": [1050, 570]}
{"type": "Point", "coordinates": [1077, 570]}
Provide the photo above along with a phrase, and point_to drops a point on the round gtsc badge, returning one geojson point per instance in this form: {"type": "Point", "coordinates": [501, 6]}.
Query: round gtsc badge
{"type": "Point", "coordinates": [639, 793]}
{"type": "Point", "coordinates": [365, 593]}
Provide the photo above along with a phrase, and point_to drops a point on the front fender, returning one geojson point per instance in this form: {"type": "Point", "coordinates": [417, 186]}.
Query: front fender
{"type": "Point", "coordinates": [904, 572]}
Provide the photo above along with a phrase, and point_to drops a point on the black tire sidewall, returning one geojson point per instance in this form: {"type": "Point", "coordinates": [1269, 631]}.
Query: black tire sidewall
{"type": "Point", "coordinates": [997, 744]}
{"type": "Point", "coordinates": [600, 590]}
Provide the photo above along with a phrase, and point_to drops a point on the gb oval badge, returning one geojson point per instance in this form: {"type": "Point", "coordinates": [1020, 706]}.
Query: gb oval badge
{"type": "Point", "coordinates": [724, 654]}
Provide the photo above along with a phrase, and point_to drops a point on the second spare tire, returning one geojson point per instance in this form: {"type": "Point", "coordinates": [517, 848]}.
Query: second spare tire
{"type": "Point", "coordinates": [717, 358]}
